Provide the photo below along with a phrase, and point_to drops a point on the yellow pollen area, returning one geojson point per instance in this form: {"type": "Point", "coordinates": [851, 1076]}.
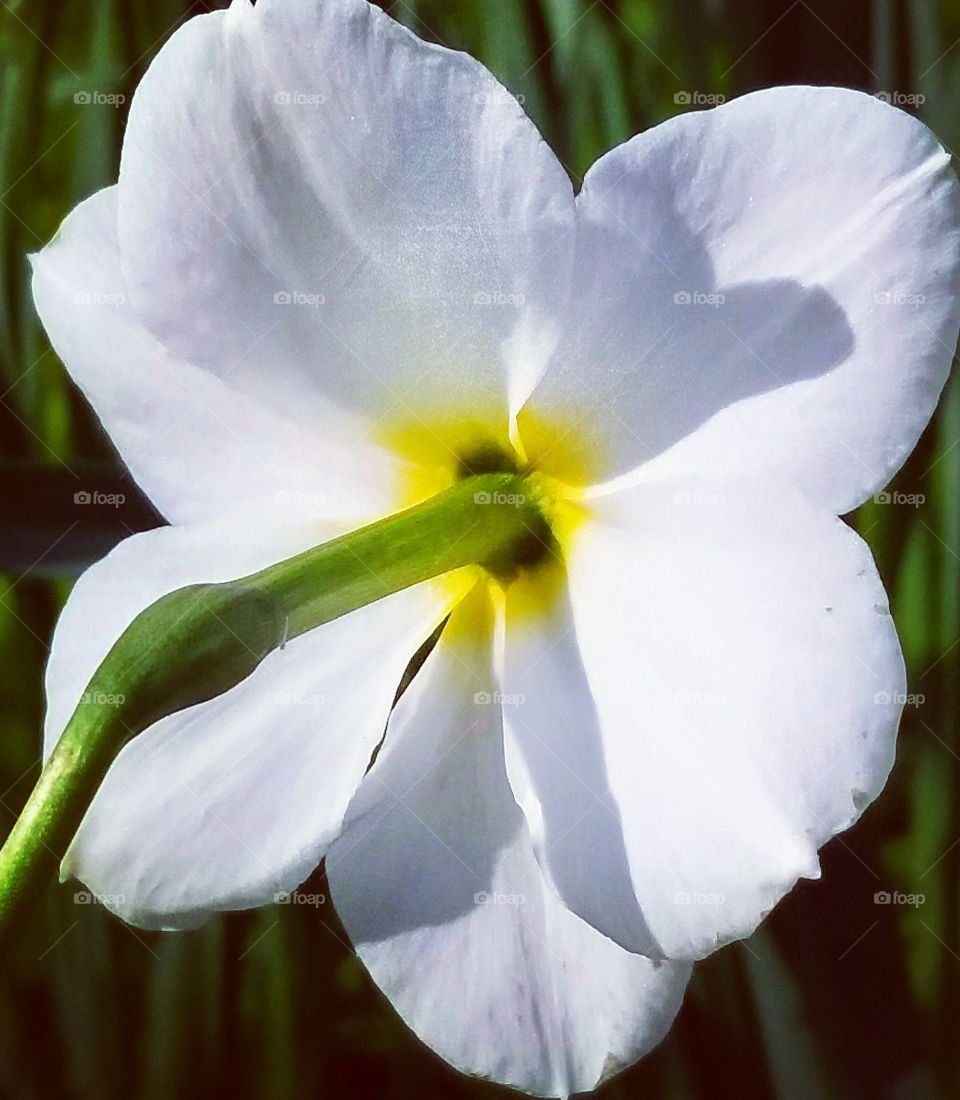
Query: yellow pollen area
{"type": "Point", "coordinates": [441, 446]}
{"type": "Point", "coordinates": [563, 446]}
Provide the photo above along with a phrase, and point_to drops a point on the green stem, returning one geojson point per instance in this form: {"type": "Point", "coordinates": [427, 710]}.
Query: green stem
{"type": "Point", "coordinates": [193, 644]}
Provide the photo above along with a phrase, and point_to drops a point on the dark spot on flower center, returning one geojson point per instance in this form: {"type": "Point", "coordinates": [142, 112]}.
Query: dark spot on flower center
{"type": "Point", "coordinates": [537, 546]}
{"type": "Point", "coordinates": [487, 458]}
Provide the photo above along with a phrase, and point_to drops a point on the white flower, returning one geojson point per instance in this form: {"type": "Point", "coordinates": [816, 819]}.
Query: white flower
{"type": "Point", "coordinates": [339, 265]}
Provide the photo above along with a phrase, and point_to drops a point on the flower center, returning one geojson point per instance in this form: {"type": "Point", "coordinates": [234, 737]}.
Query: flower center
{"type": "Point", "coordinates": [538, 546]}
{"type": "Point", "coordinates": [445, 449]}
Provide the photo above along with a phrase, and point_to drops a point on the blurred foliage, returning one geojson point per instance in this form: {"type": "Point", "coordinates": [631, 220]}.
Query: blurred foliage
{"type": "Point", "coordinates": [837, 997]}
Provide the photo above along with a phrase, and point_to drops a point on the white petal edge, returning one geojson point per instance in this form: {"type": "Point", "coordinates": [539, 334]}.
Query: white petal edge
{"type": "Point", "coordinates": [233, 801]}
{"type": "Point", "coordinates": [437, 884]}
{"type": "Point", "coordinates": [197, 445]}
{"type": "Point", "coordinates": [375, 213]}
{"type": "Point", "coordinates": [770, 285]}
{"type": "Point", "coordinates": [731, 702]}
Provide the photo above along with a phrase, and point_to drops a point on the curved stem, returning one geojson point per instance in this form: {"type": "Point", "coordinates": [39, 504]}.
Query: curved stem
{"type": "Point", "coordinates": [206, 638]}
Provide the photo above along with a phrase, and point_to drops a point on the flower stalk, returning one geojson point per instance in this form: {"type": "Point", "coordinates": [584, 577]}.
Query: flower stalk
{"type": "Point", "coordinates": [206, 638]}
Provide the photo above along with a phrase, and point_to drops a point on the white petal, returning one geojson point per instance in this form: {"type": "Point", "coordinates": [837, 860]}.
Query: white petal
{"type": "Point", "coordinates": [196, 444]}
{"type": "Point", "coordinates": [321, 154]}
{"type": "Point", "coordinates": [225, 804]}
{"type": "Point", "coordinates": [731, 703]}
{"type": "Point", "coordinates": [781, 273]}
{"type": "Point", "coordinates": [437, 884]}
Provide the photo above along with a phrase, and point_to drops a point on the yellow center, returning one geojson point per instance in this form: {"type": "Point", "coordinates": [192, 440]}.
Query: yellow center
{"type": "Point", "coordinates": [443, 446]}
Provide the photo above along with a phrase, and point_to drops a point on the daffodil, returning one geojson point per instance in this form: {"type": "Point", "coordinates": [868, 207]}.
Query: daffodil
{"type": "Point", "coordinates": [341, 272]}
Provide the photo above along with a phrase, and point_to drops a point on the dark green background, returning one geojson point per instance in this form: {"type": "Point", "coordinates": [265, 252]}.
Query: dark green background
{"type": "Point", "coordinates": [837, 996]}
